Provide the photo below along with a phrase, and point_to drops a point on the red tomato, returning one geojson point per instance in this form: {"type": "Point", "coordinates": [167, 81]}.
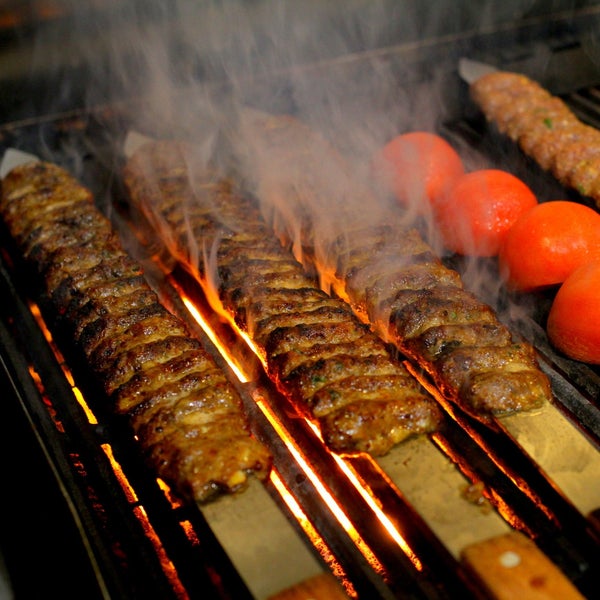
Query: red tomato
{"type": "Point", "coordinates": [574, 320]}
{"type": "Point", "coordinates": [478, 210]}
{"type": "Point", "coordinates": [417, 167]}
{"type": "Point", "coordinates": [548, 243]}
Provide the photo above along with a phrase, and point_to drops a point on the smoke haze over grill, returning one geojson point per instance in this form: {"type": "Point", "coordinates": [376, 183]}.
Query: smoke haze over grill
{"type": "Point", "coordinates": [359, 75]}
{"type": "Point", "coordinates": [98, 50]}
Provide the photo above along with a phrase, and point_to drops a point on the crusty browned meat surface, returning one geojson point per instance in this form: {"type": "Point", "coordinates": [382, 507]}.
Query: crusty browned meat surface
{"type": "Point", "coordinates": [390, 276]}
{"type": "Point", "coordinates": [544, 127]}
{"type": "Point", "coordinates": [320, 355]}
{"type": "Point", "coordinates": [185, 413]}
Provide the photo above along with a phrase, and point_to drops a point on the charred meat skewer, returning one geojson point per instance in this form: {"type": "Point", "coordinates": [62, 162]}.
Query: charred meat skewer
{"type": "Point", "coordinates": [544, 127]}
{"type": "Point", "coordinates": [185, 413]}
{"type": "Point", "coordinates": [331, 365]}
{"type": "Point", "coordinates": [387, 272]}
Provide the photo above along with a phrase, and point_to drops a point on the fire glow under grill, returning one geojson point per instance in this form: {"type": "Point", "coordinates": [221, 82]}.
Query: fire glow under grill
{"type": "Point", "coordinates": [392, 527]}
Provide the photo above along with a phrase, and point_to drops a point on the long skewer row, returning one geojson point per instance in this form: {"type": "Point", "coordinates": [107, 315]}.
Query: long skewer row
{"type": "Point", "coordinates": [187, 416]}
{"type": "Point", "coordinates": [337, 371]}
{"type": "Point", "coordinates": [387, 272]}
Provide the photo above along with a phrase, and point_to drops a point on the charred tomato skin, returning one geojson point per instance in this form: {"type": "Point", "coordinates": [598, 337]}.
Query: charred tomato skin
{"type": "Point", "coordinates": [417, 167]}
{"type": "Point", "coordinates": [573, 324]}
{"type": "Point", "coordinates": [545, 245]}
{"type": "Point", "coordinates": [477, 211]}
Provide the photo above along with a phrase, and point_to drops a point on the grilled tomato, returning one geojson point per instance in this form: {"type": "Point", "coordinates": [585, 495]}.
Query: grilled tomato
{"type": "Point", "coordinates": [475, 214]}
{"type": "Point", "coordinates": [417, 167]}
{"type": "Point", "coordinates": [574, 320]}
{"type": "Point", "coordinates": [546, 244]}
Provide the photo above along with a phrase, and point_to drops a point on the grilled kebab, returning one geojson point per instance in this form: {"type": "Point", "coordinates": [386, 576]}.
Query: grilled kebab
{"type": "Point", "coordinates": [544, 127]}
{"type": "Point", "coordinates": [387, 272]}
{"type": "Point", "coordinates": [337, 371]}
{"type": "Point", "coordinates": [185, 413]}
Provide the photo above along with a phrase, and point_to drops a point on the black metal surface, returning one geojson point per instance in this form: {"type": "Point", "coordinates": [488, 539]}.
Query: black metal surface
{"type": "Point", "coordinates": [39, 538]}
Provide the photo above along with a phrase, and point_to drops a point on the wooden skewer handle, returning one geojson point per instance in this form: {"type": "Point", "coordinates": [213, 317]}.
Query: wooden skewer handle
{"type": "Point", "coordinates": [511, 566]}
{"type": "Point", "coordinates": [320, 587]}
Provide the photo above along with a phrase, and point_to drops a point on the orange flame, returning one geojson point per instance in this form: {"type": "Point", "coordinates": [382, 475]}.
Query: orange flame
{"type": "Point", "coordinates": [137, 509]}
{"type": "Point", "coordinates": [294, 449]}
{"type": "Point", "coordinates": [519, 481]}
{"type": "Point", "coordinates": [316, 540]}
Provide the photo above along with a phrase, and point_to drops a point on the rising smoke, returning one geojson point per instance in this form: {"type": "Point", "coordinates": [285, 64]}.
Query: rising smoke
{"type": "Point", "coordinates": [359, 72]}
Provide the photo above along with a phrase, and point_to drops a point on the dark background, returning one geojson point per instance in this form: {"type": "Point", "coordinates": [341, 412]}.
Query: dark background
{"type": "Point", "coordinates": [60, 54]}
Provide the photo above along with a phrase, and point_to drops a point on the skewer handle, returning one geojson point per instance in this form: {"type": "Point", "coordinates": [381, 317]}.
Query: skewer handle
{"type": "Point", "coordinates": [319, 587]}
{"type": "Point", "coordinates": [511, 566]}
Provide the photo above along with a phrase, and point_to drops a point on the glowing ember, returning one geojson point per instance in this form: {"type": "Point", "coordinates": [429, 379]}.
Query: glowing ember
{"type": "Point", "coordinates": [311, 533]}
{"type": "Point", "coordinates": [288, 440]}
{"type": "Point", "coordinates": [323, 492]}
{"type": "Point", "coordinates": [35, 311]}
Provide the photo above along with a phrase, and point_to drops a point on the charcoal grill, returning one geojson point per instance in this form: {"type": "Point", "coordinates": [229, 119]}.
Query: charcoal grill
{"type": "Point", "coordinates": [85, 517]}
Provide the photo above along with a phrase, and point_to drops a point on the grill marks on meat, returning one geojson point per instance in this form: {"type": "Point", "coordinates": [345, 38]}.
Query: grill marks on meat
{"type": "Point", "coordinates": [390, 276]}
{"type": "Point", "coordinates": [423, 309]}
{"type": "Point", "coordinates": [544, 127]}
{"type": "Point", "coordinates": [186, 414]}
{"type": "Point", "coordinates": [320, 355]}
